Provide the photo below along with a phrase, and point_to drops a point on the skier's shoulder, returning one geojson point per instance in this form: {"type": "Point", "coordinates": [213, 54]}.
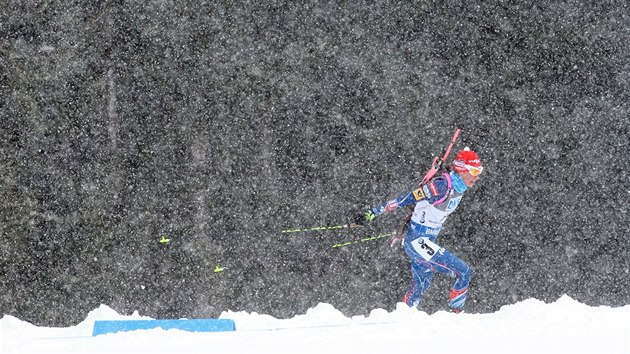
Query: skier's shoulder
{"type": "Point", "coordinates": [440, 184]}
{"type": "Point", "coordinates": [435, 188]}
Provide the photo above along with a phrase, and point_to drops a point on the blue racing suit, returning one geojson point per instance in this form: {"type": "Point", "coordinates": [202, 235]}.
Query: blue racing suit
{"type": "Point", "coordinates": [433, 202]}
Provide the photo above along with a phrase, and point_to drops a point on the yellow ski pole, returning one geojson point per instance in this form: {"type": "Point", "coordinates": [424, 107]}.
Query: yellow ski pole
{"type": "Point", "coordinates": [366, 239]}
{"type": "Point", "coordinates": [320, 228]}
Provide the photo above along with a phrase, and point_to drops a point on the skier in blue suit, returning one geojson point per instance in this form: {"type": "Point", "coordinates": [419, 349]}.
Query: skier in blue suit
{"type": "Point", "coordinates": [432, 203]}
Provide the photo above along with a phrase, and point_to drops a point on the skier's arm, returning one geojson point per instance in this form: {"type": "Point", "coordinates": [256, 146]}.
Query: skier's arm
{"type": "Point", "coordinates": [404, 200]}
{"type": "Point", "coordinates": [369, 215]}
{"type": "Point", "coordinates": [430, 192]}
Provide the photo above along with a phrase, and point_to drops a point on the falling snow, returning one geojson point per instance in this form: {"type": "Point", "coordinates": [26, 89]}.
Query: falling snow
{"type": "Point", "coordinates": [216, 126]}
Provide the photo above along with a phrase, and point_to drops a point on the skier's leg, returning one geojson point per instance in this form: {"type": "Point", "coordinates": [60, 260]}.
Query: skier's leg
{"type": "Point", "coordinates": [421, 276]}
{"type": "Point", "coordinates": [446, 262]}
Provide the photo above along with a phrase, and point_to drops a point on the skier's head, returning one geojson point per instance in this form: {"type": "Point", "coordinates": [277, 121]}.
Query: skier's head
{"type": "Point", "coordinates": [468, 166]}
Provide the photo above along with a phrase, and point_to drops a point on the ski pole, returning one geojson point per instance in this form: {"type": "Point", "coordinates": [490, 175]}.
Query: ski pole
{"type": "Point", "coordinates": [337, 245]}
{"type": "Point", "coordinates": [320, 228]}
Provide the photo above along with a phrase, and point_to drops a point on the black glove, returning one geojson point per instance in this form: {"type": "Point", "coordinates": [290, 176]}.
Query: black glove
{"type": "Point", "coordinates": [364, 218]}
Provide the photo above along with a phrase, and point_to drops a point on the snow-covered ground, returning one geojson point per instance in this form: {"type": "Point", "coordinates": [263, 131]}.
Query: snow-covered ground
{"type": "Point", "coordinates": [565, 326]}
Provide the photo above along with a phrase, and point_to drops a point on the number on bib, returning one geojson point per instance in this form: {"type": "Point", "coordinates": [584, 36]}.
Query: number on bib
{"type": "Point", "coordinates": [425, 247]}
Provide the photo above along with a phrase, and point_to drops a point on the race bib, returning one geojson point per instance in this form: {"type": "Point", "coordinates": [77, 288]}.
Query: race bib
{"type": "Point", "coordinates": [425, 247]}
